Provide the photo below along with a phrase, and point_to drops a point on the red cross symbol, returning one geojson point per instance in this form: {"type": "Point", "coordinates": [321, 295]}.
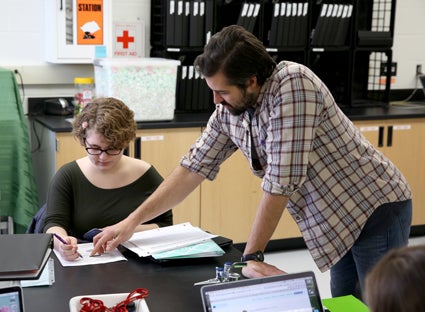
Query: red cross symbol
{"type": "Point", "coordinates": [125, 39]}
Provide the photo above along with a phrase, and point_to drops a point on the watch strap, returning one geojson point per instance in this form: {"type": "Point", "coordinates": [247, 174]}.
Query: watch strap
{"type": "Point", "coordinates": [256, 256]}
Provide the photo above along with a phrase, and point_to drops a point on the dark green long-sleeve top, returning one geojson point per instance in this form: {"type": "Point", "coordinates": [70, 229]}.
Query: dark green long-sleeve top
{"type": "Point", "coordinates": [76, 205]}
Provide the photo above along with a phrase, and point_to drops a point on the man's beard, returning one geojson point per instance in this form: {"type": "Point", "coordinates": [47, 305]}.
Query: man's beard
{"type": "Point", "coordinates": [248, 100]}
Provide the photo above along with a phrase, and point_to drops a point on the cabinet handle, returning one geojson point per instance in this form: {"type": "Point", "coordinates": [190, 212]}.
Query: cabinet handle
{"type": "Point", "coordinates": [381, 137]}
{"type": "Point", "coordinates": [61, 6]}
{"type": "Point", "coordinates": [138, 148]}
{"type": "Point", "coordinates": [390, 136]}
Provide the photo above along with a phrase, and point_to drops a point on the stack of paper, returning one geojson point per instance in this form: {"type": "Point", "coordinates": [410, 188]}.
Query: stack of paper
{"type": "Point", "coordinates": [174, 242]}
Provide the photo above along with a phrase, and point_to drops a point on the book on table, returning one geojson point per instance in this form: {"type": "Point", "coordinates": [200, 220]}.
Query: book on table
{"type": "Point", "coordinates": [24, 256]}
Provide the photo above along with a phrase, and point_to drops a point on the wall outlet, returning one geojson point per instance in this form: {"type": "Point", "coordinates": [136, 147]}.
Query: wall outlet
{"type": "Point", "coordinates": [393, 69]}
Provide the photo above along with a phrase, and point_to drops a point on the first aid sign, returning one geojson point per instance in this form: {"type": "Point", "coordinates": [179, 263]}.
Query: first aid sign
{"type": "Point", "coordinates": [128, 39]}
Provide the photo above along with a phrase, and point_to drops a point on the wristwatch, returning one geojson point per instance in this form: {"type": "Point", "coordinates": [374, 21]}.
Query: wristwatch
{"type": "Point", "coordinates": [257, 256]}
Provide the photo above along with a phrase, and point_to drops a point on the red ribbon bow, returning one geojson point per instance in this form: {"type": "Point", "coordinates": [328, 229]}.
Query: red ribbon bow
{"type": "Point", "coordinates": [96, 305]}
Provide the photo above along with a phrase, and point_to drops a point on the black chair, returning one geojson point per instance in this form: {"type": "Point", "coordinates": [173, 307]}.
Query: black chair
{"type": "Point", "coordinates": [37, 222]}
{"type": "Point", "coordinates": [6, 225]}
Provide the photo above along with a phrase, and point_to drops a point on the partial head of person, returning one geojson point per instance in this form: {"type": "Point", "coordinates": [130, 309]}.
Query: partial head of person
{"type": "Point", "coordinates": [235, 61]}
{"type": "Point", "coordinates": [105, 126]}
{"type": "Point", "coordinates": [395, 283]}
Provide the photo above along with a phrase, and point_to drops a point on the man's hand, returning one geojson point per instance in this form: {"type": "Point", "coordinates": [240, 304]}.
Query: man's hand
{"type": "Point", "coordinates": [112, 236]}
{"type": "Point", "coordinates": [260, 269]}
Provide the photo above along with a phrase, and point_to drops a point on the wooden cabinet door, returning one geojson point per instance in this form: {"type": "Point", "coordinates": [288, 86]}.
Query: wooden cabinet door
{"type": "Point", "coordinates": [407, 150]}
{"type": "Point", "coordinates": [68, 148]}
{"type": "Point", "coordinates": [401, 140]}
{"type": "Point", "coordinates": [229, 203]}
{"type": "Point", "coordinates": [163, 148]}
{"type": "Point", "coordinates": [373, 130]}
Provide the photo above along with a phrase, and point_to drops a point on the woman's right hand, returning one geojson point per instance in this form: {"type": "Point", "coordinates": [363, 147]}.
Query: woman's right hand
{"type": "Point", "coordinates": [68, 251]}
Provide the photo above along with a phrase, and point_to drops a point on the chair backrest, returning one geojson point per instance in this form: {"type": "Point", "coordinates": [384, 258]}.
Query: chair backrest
{"type": "Point", "coordinates": [6, 225]}
{"type": "Point", "coordinates": [37, 222]}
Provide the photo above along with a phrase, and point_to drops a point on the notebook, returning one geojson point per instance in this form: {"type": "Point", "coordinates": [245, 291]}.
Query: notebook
{"type": "Point", "coordinates": [11, 299]}
{"type": "Point", "coordinates": [288, 292]}
{"type": "Point", "coordinates": [24, 256]}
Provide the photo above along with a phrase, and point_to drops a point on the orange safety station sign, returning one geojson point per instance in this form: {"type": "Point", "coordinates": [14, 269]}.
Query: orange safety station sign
{"type": "Point", "coordinates": [90, 22]}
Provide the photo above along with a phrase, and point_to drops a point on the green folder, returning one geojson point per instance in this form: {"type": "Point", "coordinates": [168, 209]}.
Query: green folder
{"type": "Point", "coordinates": [208, 248]}
{"type": "Point", "coordinates": [345, 304]}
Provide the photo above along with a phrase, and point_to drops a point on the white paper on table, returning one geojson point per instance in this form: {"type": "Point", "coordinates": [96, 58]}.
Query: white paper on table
{"type": "Point", "coordinates": [85, 250]}
{"type": "Point", "coordinates": [147, 243]}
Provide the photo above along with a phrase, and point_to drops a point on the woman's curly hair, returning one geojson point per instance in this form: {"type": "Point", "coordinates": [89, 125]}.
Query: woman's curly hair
{"type": "Point", "coordinates": [109, 117]}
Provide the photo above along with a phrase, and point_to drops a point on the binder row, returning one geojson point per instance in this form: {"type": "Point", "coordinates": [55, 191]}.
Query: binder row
{"type": "Point", "coordinates": [192, 92]}
{"type": "Point", "coordinates": [332, 25]}
{"type": "Point", "coordinates": [189, 23]}
{"type": "Point", "coordinates": [248, 16]}
{"type": "Point", "coordinates": [289, 24]}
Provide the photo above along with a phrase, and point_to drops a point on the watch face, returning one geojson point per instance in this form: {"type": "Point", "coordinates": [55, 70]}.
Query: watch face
{"type": "Point", "coordinates": [260, 256]}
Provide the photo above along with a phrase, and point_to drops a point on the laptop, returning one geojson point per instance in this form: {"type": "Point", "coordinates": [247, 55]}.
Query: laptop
{"type": "Point", "coordinates": [11, 299]}
{"type": "Point", "coordinates": [288, 292]}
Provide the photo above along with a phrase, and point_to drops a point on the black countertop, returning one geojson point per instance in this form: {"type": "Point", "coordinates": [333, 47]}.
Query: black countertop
{"type": "Point", "coordinates": [61, 123]}
{"type": "Point", "coordinates": [411, 110]}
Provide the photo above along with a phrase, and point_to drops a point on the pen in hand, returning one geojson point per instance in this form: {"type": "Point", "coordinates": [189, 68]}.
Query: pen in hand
{"type": "Point", "coordinates": [63, 241]}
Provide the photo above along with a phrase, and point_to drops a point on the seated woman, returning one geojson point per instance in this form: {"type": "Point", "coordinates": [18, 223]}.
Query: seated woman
{"type": "Point", "coordinates": [103, 187]}
{"type": "Point", "coordinates": [395, 283]}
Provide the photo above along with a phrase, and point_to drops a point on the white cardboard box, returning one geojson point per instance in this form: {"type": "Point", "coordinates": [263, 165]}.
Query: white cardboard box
{"type": "Point", "coordinates": [146, 85]}
{"type": "Point", "coordinates": [108, 300]}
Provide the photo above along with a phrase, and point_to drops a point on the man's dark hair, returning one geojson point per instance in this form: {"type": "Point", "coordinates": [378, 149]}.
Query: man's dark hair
{"type": "Point", "coordinates": [238, 54]}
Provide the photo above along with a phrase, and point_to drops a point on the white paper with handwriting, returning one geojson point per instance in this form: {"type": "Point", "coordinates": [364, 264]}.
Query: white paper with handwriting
{"type": "Point", "coordinates": [85, 250]}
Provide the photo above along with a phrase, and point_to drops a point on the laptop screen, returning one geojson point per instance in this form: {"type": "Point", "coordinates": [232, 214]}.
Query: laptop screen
{"type": "Point", "coordinates": [289, 292]}
{"type": "Point", "coordinates": [11, 299]}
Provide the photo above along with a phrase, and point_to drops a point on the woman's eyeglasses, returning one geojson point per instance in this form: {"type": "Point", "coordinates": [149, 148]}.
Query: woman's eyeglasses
{"type": "Point", "coordinates": [97, 151]}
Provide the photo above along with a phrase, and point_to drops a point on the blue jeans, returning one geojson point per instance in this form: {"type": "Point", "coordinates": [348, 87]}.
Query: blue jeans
{"type": "Point", "coordinates": [388, 227]}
